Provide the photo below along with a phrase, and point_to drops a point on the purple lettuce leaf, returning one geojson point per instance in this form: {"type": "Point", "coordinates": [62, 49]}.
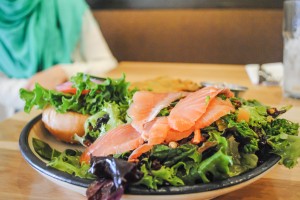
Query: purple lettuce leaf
{"type": "Point", "coordinates": [112, 176]}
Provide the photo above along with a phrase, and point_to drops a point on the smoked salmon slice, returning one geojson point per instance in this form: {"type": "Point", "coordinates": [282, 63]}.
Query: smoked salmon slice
{"type": "Point", "coordinates": [197, 110]}
{"type": "Point", "coordinates": [119, 140]}
{"type": "Point", "coordinates": [158, 131]}
{"type": "Point", "coordinates": [174, 135]}
{"type": "Point", "coordinates": [216, 109]}
{"type": "Point", "coordinates": [189, 109]}
{"type": "Point", "coordinates": [146, 105]}
{"type": "Point", "coordinates": [139, 151]}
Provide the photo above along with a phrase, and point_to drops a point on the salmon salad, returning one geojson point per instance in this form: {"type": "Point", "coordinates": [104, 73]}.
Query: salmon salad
{"type": "Point", "coordinates": [152, 139]}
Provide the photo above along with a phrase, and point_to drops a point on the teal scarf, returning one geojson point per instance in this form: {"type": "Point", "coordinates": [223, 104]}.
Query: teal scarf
{"type": "Point", "coordinates": [37, 34]}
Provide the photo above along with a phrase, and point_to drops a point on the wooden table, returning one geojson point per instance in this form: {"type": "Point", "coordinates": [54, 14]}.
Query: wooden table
{"type": "Point", "coordinates": [19, 181]}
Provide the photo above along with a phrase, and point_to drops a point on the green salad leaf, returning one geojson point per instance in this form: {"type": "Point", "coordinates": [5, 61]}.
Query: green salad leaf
{"type": "Point", "coordinates": [167, 174]}
{"type": "Point", "coordinates": [245, 135]}
{"type": "Point", "coordinates": [98, 124]}
{"type": "Point", "coordinates": [66, 161]}
{"type": "Point", "coordinates": [284, 140]}
{"type": "Point", "coordinates": [163, 165]}
{"type": "Point", "coordinates": [69, 161]}
{"type": "Point", "coordinates": [44, 150]}
{"type": "Point", "coordinates": [258, 115]}
{"type": "Point", "coordinates": [242, 162]}
{"type": "Point", "coordinates": [217, 165]}
{"type": "Point", "coordinates": [110, 90]}
{"type": "Point", "coordinates": [184, 165]}
{"type": "Point", "coordinates": [170, 156]}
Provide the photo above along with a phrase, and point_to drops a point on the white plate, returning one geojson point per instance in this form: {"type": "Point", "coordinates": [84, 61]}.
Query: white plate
{"type": "Point", "coordinates": [36, 129]}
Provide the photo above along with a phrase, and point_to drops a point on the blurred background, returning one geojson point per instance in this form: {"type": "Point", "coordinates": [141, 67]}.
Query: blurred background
{"type": "Point", "coordinates": [194, 31]}
{"type": "Point", "coordinates": [66, 37]}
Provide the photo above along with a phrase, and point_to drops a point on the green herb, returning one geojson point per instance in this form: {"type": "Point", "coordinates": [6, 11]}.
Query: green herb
{"type": "Point", "coordinates": [207, 99]}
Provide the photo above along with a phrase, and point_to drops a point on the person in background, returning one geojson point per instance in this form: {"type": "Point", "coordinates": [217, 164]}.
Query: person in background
{"type": "Point", "coordinates": [47, 41]}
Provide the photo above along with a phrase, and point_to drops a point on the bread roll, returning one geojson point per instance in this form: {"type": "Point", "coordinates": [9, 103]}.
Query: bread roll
{"type": "Point", "coordinates": [63, 126]}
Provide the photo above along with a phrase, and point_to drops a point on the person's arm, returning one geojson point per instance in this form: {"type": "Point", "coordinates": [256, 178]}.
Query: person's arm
{"type": "Point", "coordinates": [49, 78]}
{"type": "Point", "coordinates": [9, 93]}
{"type": "Point", "coordinates": [92, 54]}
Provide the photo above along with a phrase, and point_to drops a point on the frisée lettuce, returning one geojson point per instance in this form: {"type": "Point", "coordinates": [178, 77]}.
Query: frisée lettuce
{"type": "Point", "coordinates": [66, 161]}
{"type": "Point", "coordinates": [98, 124]}
{"type": "Point", "coordinates": [110, 90]}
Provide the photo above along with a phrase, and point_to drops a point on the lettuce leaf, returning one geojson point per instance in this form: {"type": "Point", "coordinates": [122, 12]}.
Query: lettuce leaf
{"type": "Point", "coordinates": [217, 166]}
{"type": "Point", "coordinates": [148, 180]}
{"type": "Point", "coordinates": [282, 136]}
{"type": "Point", "coordinates": [44, 150]}
{"type": "Point", "coordinates": [98, 124]}
{"type": "Point", "coordinates": [167, 174]}
{"type": "Point", "coordinates": [265, 134]}
{"type": "Point", "coordinates": [164, 165]}
{"type": "Point", "coordinates": [66, 161]}
{"type": "Point", "coordinates": [258, 115]}
{"type": "Point", "coordinates": [110, 90]}
{"type": "Point", "coordinates": [241, 162]}
{"type": "Point", "coordinates": [112, 177]}
{"type": "Point", "coordinates": [170, 156]}
{"type": "Point", "coordinates": [247, 138]}
{"type": "Point", "coordinates": [184, 165]}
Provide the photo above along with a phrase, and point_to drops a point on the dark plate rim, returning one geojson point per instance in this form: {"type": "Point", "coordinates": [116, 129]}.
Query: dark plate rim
{"type": "Point", "coordinates": [40, 166]}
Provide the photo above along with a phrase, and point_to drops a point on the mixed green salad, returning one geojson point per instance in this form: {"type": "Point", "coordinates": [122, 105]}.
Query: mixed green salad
{"type": "Point", "coordinates": [231, 146]}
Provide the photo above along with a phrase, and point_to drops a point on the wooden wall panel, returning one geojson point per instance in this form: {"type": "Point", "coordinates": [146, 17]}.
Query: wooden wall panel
{"type": "Point", "coordinates": [235, 36]}
{"type": "Point", "coordinates": [180, 4]}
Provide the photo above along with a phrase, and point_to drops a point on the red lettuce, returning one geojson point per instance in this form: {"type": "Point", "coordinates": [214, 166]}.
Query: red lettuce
{"type": "Point", "coordinates": [112, 177]}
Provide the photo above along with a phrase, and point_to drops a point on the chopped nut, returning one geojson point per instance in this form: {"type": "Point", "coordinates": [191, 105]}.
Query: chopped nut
{"type": "Point", "coordinates": [221, 125]}
{"type": "Point", "coordinates": [271, 111]}
{"type": "Point", "coordinates": [173, 145]}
